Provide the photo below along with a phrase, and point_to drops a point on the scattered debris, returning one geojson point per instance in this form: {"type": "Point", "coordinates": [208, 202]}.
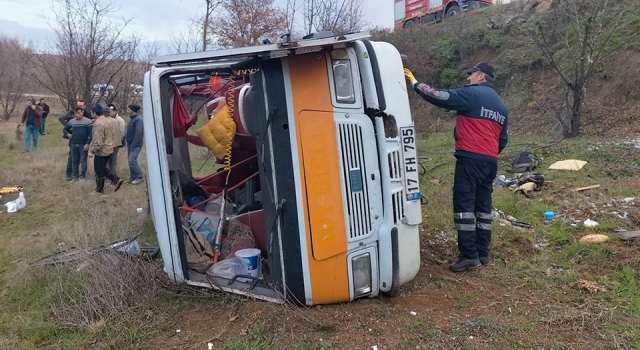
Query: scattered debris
{"type": "Point", "coordinates": [541, 245]}
{"type": "Point", "coordinates": [413, 313]}
{"type": "Point", "coordinates": [549, 215]}
{"type": "Point", "coordinates": [520, 224]}
{"type": "Point", "coordinates": [503, 181]}
{"type": "Point", "coordinates": [627, 235]}
{"type": "Point", "coordinates": [17, 204]}
{"type": "Point", "coordinates": [594, 238]}
{"type": "Point", "coordinates": [586, 188]}
{"type": "Point", "coordinates": [139, 210]}
{"type": "Point", "coordinates": [526, 188]}
{"type": "Point", "coordinates": [591, 287]}
{"type": "Point", "coordinates": [569, 164]}
{"type": "Point", "coordinates": [590, 223]}
{"type": "Point", "coordinates": [623, 216]}
{"type": "Point", "coordinates": [10, 190]}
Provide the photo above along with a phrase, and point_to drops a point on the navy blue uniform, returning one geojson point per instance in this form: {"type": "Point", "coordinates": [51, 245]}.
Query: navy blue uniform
{"type": "Point", "coordinates": [480, 134]}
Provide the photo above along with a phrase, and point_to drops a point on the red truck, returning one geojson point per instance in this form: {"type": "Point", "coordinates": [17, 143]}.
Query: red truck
{"type": "Point", "coordinates": [412, 12]}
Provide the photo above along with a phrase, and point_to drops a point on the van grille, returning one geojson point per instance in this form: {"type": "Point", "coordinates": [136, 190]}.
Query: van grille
{"type": "Point", "coordinates": [394, 165]}
{"type": "Point", "coordinates": [355, 175]}
{"type": "Point", "coordinates": [397, 198]}
{"type": "Point", "coordinates": [398, 206]}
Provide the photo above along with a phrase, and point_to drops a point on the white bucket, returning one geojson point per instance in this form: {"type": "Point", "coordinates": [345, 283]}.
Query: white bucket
{"type": "Point", "coordinates": [252, 256]}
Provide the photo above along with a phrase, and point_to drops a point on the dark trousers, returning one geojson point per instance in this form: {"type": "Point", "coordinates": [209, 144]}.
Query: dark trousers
{"type": "Point", "coordinates": [78, 160]}
{"type": "Point", "coordinates": [69, 165]}
{"type": "Point", "coordinates": [44, 122]}
{"type": "Point", "coordinates": [472, 189]}
{"type": "Point", "coordinates": [112, 164]}
{"type": "Point", "coordinates": [100, 167]}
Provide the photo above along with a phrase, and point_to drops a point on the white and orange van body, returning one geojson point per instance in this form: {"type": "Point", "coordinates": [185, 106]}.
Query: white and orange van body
{"type": "Point", "coordinates": [335, 149]}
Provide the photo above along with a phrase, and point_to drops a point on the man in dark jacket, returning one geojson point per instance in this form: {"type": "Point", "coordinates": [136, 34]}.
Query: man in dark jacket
{"type": "Point", "coordinates": [65, 119]}
{"type": "Point", "coordinates": [78, 130]}
{"type": "Point", "coordinates": [45, 113]}
{"type": "Point", "coordinates": [32, 118]}
{"type": "Point", "coordinates": [70, 115]}
{"type": "Point", "coordinates": [135, 131]}
{"type": "Point", "coordinates": [480, 134]}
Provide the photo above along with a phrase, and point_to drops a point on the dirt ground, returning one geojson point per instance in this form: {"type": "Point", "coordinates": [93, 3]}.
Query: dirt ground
{"type": "Point", "coordinates": [493, 307]}
{"type": "Point", "coordinates": [437, 310]}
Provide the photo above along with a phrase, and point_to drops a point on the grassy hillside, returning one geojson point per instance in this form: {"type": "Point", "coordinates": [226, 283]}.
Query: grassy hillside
{"type": "Point", "coordinates": [437, 54]}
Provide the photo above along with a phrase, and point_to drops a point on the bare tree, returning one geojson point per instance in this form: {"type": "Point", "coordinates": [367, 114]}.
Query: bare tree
{"type": "Point", "coordinates": [189, 39]}
{"type": "Point", "coordinates": [248, 22]}
{"type": "Point", "coordinates": [338, 16]}
{"type": "Point", "coordinates": [90, 48]}
{"type": "Point", "coordinates": [574, 37]}
{"type": "Point", "coordinates": [211, 5]}
{"type": "Point", "coordinates": [14, 75]}
{"type": "Point", "coordinates": [290, 9]}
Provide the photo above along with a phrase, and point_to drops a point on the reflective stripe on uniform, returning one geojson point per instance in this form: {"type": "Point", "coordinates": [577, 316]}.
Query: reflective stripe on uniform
{"type": "Point", "coordinates": [465, 215]}
{"type": "Point", "coordinates": [483, 226]}
{"type": "Point", "coordinates": [465, 227]}
{"type": "Point", "coordinates": [486, 216]}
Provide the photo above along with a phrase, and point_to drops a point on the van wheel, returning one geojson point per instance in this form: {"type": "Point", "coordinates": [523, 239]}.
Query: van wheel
{"type": "Point", "coordinates": [453, 11]}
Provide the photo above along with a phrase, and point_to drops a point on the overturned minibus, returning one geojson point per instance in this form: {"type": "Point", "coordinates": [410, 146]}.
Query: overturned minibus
{"type": "Point", "coordinates": [318, 167]}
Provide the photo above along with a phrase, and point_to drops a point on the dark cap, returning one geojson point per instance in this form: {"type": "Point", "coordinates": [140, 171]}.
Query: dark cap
{"type": "Point", "coordinates": [134, 108]}
{"type": "Point", "coordinates": [97, 109]}
{"type": "Point", "coordinates": [483, 67]}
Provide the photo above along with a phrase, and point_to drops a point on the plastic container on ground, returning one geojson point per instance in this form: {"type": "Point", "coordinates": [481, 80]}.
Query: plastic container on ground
{"type": "Point", "coordinates": [252, 257]}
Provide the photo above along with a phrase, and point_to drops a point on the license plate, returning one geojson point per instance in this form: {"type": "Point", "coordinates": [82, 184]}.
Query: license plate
{"type": "Point", "coordinates": [410, 158]}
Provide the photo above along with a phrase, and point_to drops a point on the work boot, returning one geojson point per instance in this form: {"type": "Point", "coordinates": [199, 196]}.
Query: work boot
{"type": "Point", "coordinates": [464, 264]}
{"type": "Point", "coordinates": [484, 260]}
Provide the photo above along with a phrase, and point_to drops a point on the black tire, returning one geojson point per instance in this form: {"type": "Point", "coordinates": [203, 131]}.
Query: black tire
{"type": "Point", "coordinates": [409, 24]}
{"type": "Point", "coordinates": [452, 11]}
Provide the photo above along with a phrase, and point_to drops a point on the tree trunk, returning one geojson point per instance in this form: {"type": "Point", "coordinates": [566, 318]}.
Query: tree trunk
{"type": "Point", "coordinates": [576, 113]}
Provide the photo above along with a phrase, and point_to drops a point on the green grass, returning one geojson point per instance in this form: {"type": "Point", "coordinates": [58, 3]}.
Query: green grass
{"type": "Point", "coordinates": [26, 296]}
{"type": "Point", "coordinates": [13, 149]}
{"type": "Point", "coordinates": [561, 260]}
{"type": "Point", "coordinates": [412, 324]}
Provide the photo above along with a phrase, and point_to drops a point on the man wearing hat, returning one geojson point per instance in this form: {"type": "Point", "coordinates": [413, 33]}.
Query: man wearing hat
{"type": "Point", "coordinates": [135, 130]}
{"type": "Point", "coordinates": [480, 135]}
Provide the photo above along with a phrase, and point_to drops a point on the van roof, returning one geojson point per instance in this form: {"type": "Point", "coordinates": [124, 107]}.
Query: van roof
{"type": "Point", "coordinates": [270, 50]}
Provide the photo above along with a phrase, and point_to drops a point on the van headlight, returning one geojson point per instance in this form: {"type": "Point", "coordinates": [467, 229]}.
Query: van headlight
{"type": "Point", "coordinates": [361, 267]}
{"type": "Point", "coordinates": [342, 77]}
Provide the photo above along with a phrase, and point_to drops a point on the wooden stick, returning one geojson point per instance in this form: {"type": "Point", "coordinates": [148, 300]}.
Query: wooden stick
{"type": "Point", "coordinates": [586, 188]}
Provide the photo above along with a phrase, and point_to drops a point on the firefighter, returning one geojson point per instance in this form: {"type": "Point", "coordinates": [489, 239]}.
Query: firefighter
{"type": "Point", "coordinates": [480, 135]}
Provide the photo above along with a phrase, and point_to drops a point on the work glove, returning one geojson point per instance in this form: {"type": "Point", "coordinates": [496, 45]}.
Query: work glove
{"type": "Point", "coordinates": [410, 77]}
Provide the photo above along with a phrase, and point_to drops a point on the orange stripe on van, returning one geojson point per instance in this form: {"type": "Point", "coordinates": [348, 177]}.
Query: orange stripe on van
{"type": "Point", "coordinates": [320, 173]}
